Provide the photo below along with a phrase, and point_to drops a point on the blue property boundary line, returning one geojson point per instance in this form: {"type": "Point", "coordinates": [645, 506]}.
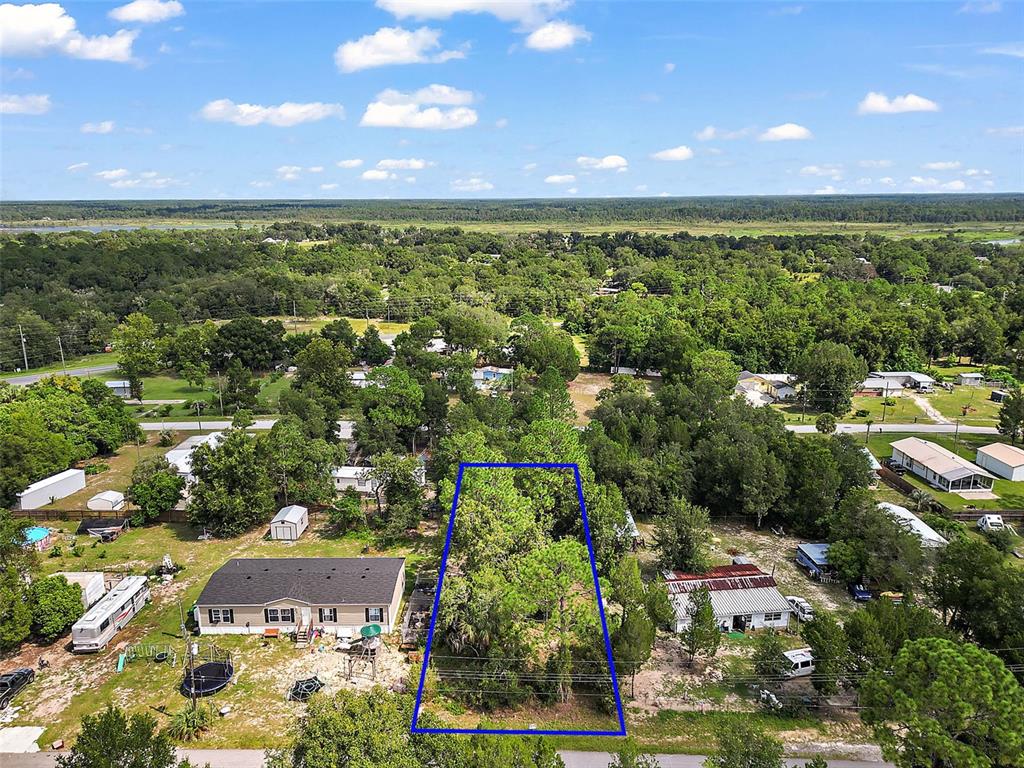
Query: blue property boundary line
{"type": "Point", "coordinates": [600, 607]}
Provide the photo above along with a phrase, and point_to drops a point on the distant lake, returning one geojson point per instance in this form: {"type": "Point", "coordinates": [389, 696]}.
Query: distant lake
{"type": "Point", "coordinates": [94, 228]}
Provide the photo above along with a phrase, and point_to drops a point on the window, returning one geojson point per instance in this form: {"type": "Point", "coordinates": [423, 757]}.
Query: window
{"type": "Point", "coordinates": [772, 616]}
{"type": "Point", "coordinates": [222, 615]}
{"type": "Point", "coordinates": [328, 615]}
{"type": "Point", "coordinates": [279, 615]}
{"type": "Point", "coordinates": [374, 614]}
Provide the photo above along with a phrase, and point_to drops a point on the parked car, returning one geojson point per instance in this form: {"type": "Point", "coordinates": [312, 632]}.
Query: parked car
{"type": "Point", "coordinates": [11, 684]}
{"type": "Point", "coordinates": [895, 466]}
{"type": "Point", "coordinates": [804, 610]}
{"type": "Point", "coordinates": [859, 592]}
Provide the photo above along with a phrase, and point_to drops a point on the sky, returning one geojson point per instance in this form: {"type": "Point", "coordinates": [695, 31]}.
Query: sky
{"type": "Point", "coordinates": [521, 98]}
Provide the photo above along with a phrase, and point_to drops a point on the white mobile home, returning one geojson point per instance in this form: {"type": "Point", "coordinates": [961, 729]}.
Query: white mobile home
{"type": "Point", "coordinates": [120, 388]}
{"type": "Point", "coordinates": [106, 501]}
{"type": "Point", "coordinates": [1002, 459]}
{"type": "Point", "coordinates": [909, 379]}
{"type": "Point", "coordinates": [180, 457]}
{"type": "Point", "coordinates": [50, 489]}
{"type": "Point", "coordinates": [742, 597]}
{"type": "Point", "coordinates": [940, 467]}
{"type": "Point", "coordinates": [969, 379]}
{"type": "Point", "coordinates": [929, 537]}
{"type": "Point", "coordinates": [289, 523]}
{"type": "Point", "coordinates": [92, 584]}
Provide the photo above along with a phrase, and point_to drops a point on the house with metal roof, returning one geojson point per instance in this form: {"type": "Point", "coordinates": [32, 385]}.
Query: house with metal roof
{"type": "Point", "coordinates": [909, 379]}
{"type": "Point", "coordinates": [121, 388]}
{"type": "Point", "coordinates": [1002, 459]}
{"type": "Point", "coordinates": [940, 467]}
{"type": "Point", "coordinates": [180, 457]}
{"type": "Point", "coordinates": [742, 597]}
{"type": "Point", "coordinates": [930, 538]}
{"type": "Point", "coordinates": [814, 557]}
{"type": "Point", "coordinates": [338, 595]}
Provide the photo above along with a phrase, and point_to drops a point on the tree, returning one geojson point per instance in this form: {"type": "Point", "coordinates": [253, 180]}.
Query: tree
{"type": "Point", "coordinates": [56, 605]}
{"type": "Point", "coordinates": [347, 510]}
{"type": "Point", "coordinates": [155, 489]}
{"type": "Point", "coordinates": [682, 537]}
{"type": "Point", "coordinates": [1011, 416]}
{"type": "Point", "coordinates": [300, 467]}
{"type": "Point", "coordinates": [538, 346]}
{"type": "Point", "coordinates": [946, 704]}
{"type": "Point", "coordinates": [829, 372]}
{"type": "Point", "coordinates": [370, 349]}
{"type": "Point", "coordinates": [827, 641]}
{"type": "Point", "coordinates": [701, 635]}
{"type": "Point", "coordinates": [468, 329]}
{"type": "Point", "coordinates": [392, 405]}
{"type": "Point", "coordinates": [241, 389]}
{"type": "Point", "coordinates": [397, 490]}
{"type": "Point", "coordinates": [138, 350]}
{"type": "Point", "coordinates": [15, 611]}
{"type": "Point", "coordinates": [233, 491]}
{"type": "Point", "coordinates": [323, 364]}
{"type": "Point", "coordinates": [340, 332]}
{"type": "Point", "coordinates": [825, 424]}
{"type": "Point", "coordinates": [740, 743]}
{"type": "Point", "coordinates": [254, 344]}
{"type": "Point", "coordinates": [113, 738]}
{"type": "Point", "coordinates": [630, 755]}
{"type": "Point", "coordinates": [770, 662]}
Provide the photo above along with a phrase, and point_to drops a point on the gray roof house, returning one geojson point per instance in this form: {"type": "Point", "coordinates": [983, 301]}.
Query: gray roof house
{"type": "Point", "coordinates": [290, 594]}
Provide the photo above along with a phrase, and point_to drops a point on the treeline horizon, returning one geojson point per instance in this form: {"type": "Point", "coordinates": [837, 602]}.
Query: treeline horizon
{"type": "Point", "coordinates": [854, 209]}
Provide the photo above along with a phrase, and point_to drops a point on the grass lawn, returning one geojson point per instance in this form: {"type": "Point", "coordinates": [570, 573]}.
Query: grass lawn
{"type": "Point", "coordinates": [972, 405]}
{"type": "Point", "coordinates": [100, 358]}
{"type": "Point", "coordinates": [295, 325]}
{"type": "Point", "coordinates": [77, 685]}
{"type": "Point", "coordinates": [1011, 495]}
{"type": "Point", "coordinates": [905, 411]}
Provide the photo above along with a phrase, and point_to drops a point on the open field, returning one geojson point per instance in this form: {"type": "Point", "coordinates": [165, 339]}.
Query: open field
{"type": "Point", "coordinates": [1011, 494]}
{"type": "Point", "coordinates": [969, 405]}
{"type": "Point", "coordinates": [99, 358]}
{"type": "Point", "coordinates": [905, 411]}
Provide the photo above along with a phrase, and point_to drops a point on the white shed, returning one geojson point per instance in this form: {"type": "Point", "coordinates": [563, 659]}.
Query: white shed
{"type": "Point", "coordinates": [289, 523]}
{"type": "Point", "coordinates": [91, 582]}
{"type": "Point", "coordinates": [969, 379]}
{"type": "Point", "coordinates": [106, 500]}
{"type": "Point", "coordinates": [120, 388]}
{"type": "Point", "coordinates": [49, 489]}
{"type": "Point", "coordinates": [1002, 459]}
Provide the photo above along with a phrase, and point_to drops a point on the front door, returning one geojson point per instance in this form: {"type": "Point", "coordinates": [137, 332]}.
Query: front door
{"type": "Point", "coordinates": [306, 613]}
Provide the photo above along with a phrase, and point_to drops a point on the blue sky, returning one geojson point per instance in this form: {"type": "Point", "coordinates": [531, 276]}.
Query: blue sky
{"type": "Point", "coordinates": [522, 98]}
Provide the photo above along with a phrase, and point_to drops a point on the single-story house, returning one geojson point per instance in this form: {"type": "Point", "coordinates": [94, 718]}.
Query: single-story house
{"type": "Point", "coordinates": [814, 557]}
{"type": "Point", "coordinates": [103, 528]}
{"type": "Point", "coordinates": [106, 501]}
{"type": "Point", "coordinates": [879, 387]}
{"type": "Point", "coordinates": [359, 478]}
{"type": "Point", "coordinates": [289, 523]}
{"type": "Point", "coordinates": [909, 379]}
{"type": "Point", "coordinates": [742, 597]}
{"type": "Point", "coordinates": [439, 346]}
{"type": "Point", "coordinates": [930, 538]}
{"type": "Point", "coordinates": [38, 537]}
{"type": "Point", "coordinates": [1002, 459]}
{"type": "Point", "coordinates": [876, 467]}
{"type": "Point", "coordinates": [625, 370]}
{"type": "Point", "coordinates": [180, 457]}
{"type": "Point", "coordinates": [773, 386]}
{"type": "Point", "coordinates": [335, 594]}
{"type": "Point", "coordinates": [999, 396]}
{"type": "Point", "coordinates": [940, 467]}
{"type": "Point", "coordinates": [121, 388]}
{"type": "Point", "coordinates": [52, 488]}
{"type": "Point", "coordinates": [970, 379]}
{"type": "Point", "coordinates": [346, 430]}
{"type": "Point", "coordinates": [92, 583]}
{"type": "Point", "coordinates": [488, 375]}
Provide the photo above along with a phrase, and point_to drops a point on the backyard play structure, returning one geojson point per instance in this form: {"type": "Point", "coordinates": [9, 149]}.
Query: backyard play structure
{"type": "Point", "coordinates": [207, 671]}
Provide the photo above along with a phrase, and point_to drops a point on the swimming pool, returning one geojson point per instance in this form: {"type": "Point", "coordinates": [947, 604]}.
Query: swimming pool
{"type": "Point", "coordinates": [35, 534]}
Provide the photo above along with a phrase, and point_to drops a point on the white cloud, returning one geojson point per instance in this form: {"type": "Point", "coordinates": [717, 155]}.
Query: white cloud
{"type": "Point", "coordinates": [375, 175]}
{"type": "Point", "coordinates": [880, 104]}
{"type": "Point", "coordinates": [954, 186]}
{"type": "Point", "coordinates": [105, 126]}
{"type": "Point", "coordinates": [404, 164]}
{"type": "Point", "coordinates": [529, 13]}
{"type": "Point", "coordinates": [875, 163]}
{"type": "Point", "coordinates": [669, 67]}
{"type": "Point", "coordinates": [260, 184]}
{"type": "Point", "coordinates": [501, 122]}
{"type": "Point", "coordinates": [977, 172]}
{"type": "Point", "coordinates": [353, 163]}
{"type": "Point", "coordinates": [981, 7]}
{"type": "Point", "coordinates": [864, 181]}
{"type": "Point", "coordinates": [393, 45]}
{"type": "Point", "coordinates": [556, 35]}
{"type": "Point", "coordinates": [474, 184]}
{"type": "Point", "coordinates": [929, 183]}
{"type": "Point", "coordinates": [1007, 132]}
{"type": "Point", "coordinates": [572, 190]}
{"type": "Point", "coordinates": [395, 109]}
{"type": "Point", "coordinates": [74, 167]}
{"type": "Point", "coordinates": [315, 169]}
{"type": "Point", "coordinates": [786, 132]}
{"type": "Point", "coordinates": [560, 178]}
{"type": "Point", "coordinates": [606, 163]}
{"type": "Point", "coordinates": [147, 11]}
{"type": "Point", "coordinates": [829, 170]}
{"type": "Point", "coordinates": [682, 152]}
{"type": "Point", "coordinates": [328, 187]}
{"type": "Point", "coordinates": [640, 188]}
{"type": "Point", "coordinates": [113, 174]}
{"type": "Point", "coordinates": [24, 104]}
{"type": "Point", "coordinates": [942, 165]}
{"type": "Point", "coordinates": [282, 116]}
{"type": "Point", "coordinates": [41, 29]}
{"type": "Point", "coordinates": [887, 181]}
{"type": "Point", "coordinates": [530, 167]}
{"type": "Point", "coordinates": [289, 172]}
{"type": "Point", "coordinates": [828, 189]}
{"type": "Point", "coordinates": [1014, 50]}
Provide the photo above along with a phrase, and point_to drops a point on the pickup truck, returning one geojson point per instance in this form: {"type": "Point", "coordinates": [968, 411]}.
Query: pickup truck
{"type": "Point", "coordinates": [11, 684]}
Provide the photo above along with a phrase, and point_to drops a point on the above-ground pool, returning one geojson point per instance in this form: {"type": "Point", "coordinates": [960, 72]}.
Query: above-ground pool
{"type": "Point", "coordinates": [36, 535]}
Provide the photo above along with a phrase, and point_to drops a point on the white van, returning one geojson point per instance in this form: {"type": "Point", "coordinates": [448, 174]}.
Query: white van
{"type": "Point", "coordinates": [991, 523]}
{"type": "Point", "coordinates": [801, 663]}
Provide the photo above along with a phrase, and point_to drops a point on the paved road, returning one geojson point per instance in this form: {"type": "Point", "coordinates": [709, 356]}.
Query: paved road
{"type": "Point", "coordinates": [32, 378]}
{"type": "Point", "coordinates": [253, 758]}
{"type": "Point", "coordinates": [922, 429]}
{"type": "Point", "coordinates": [345, 428]}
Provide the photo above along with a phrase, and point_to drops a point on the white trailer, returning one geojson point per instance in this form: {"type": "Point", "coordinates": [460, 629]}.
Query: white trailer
{"type": "Point", "coordinates": [49, 489]}
{"type": "Point", "coordinates": [92, 583]}
{"type": "Point", "coordinates": [100, 623]}
{"type": "Point", "coordinates": [801, 663]}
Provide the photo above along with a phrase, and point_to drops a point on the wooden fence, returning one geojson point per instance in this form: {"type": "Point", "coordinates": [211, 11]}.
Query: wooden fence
{"type": "Point", "coordinates": [173, 516]}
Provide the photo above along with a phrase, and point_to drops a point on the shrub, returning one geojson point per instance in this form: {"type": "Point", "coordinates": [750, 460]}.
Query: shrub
{"type": "Point", "coordinates": [166, 438]}
{"type": "Point", "coordinates": [188, 724]}
{"type": "Point", "coordinates": [56, 605]}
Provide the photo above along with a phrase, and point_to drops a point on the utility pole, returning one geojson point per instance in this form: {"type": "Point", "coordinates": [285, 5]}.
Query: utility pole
{"type": "Point", "coordinates": [24, 354]}
{"type": "Point", "coordinates": [956, 435]}
{"type": "Point", "coordinates": [199, 418]}
{"type": "Point", "coordinates": [62, 363]}
{"type": "Point", "coordinates": [295, 322]}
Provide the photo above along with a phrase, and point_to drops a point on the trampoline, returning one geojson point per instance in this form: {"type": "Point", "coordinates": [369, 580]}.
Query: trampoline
{"type": "Point", "coordinates": [303, 689]}
{"type": "Point", "coordinates": [207, 673]}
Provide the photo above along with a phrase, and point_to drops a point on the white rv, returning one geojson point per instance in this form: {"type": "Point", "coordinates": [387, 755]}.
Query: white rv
{"type": "Point", "coordinates": [100, 623]}
{"type": "Point", "coordinates": [801, 663]}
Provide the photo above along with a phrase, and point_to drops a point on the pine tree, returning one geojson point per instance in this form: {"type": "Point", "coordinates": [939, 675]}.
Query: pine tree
{"type": "Point", "coordinates": [701, 635]}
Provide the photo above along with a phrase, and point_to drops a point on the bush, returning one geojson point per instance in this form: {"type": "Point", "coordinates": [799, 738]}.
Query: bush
{"type": "Point", "coordinates": [166, 438]}
{"type": "Point", "coordinates": [861, 413]}
{"type": "Point", "coordinates": [1001, 540]}
{"type": "Point", "coordinates": [56, 605]}
{"type": "Point", "coordinates": [96, 468]}
{"type": "Point", "coordinates": [188, 724]}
